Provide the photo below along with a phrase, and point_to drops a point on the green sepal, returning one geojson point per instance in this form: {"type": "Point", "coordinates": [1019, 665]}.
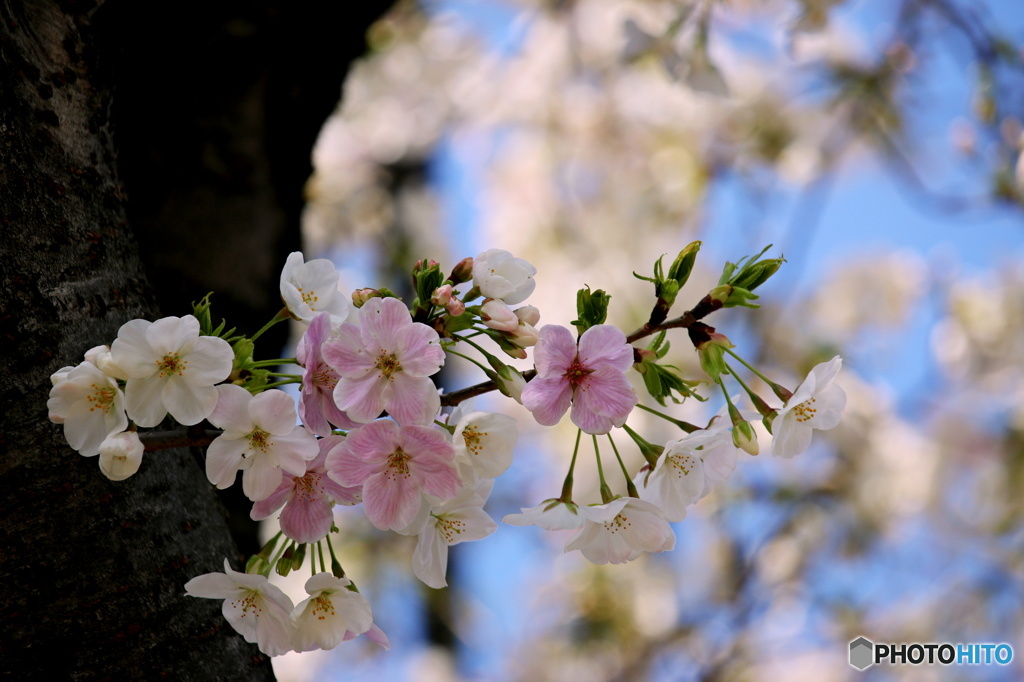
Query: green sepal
{"type": "Point", "coordinates": [591, 308]}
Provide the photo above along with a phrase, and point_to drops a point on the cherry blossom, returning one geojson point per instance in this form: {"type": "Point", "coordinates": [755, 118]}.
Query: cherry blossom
{"type": "Point", "coordinates": [817, 404]}
{"type": "Point", "coordinates": [384, 363]}
{"type": "Point", "coordinates": [121, 455]}
{"type": "Point", "coordinates": [484, 442]}
{"type": "Point", "coordinates": [395, 465]}
{"type": "Point", "coordinates": [308, 500]}
{"type": "Point", "coordinates": [590, 377]}
{"type": "Point", "coordinates": [260, 437]}
{"type": "Point", "coordinates": [310, 288]}
{"type": "Point", "coordinates": [498, 274]}
{"type": "Point", "coordinates": [676, 481]}
{"type": "Point", "coordinates": [170, 368]}
{"type": "Point", "coordinates": [330, 614]}
{"type": "Point", "coordinates": [257, 610]}
{"type": "Point", "coordinates": [89, 404]}
{"type": "Point", "coordinates": [496, 314]}
{"type": "Point", "coordinates": [317, 408]}
{"type": "Point", "coordinates": [621, 530]}
{"type": "Point", "coordinates": [460, 519]}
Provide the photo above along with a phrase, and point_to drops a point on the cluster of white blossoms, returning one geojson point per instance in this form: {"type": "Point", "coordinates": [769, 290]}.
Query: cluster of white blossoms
{"type": "Point", "coordinates": [368, 426]}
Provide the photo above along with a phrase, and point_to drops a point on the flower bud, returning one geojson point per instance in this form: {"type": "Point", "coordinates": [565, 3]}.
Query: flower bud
{"type": "Point", "coordinates": [744, 438]}
{"type": "Point", "coordinates": [361, 296]}
{"type": "Point", "coordinates": [510, 382]}
{"type": "Point", "coordinates": [455, 307]}
{"type": "Point", "coordinates": [525, 336]}
{"type": "Point", "coordinates": [463, 271]}
{"type": "Point", "coordinates": [121, 455]}
{"type": "Point", "coordinates": [497, 315]}
{"type": "Point", "coordinates": [442, 295]}
{"type": "Point", "coordinates": [528, 314]}
{"type": "Point", "coordinates": [711, 353]}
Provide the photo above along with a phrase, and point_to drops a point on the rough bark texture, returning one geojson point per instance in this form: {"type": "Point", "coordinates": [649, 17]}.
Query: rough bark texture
{"type": "Point", "coordinates": [92, 570]}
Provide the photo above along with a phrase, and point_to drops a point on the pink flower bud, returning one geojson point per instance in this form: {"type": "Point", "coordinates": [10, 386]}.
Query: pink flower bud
{"type": "Point", "coordinates": [442, 295]}
{"type": "Point", "coordinates": [455, 307]}
{"type": "Point", "coordinates": [497, 315]}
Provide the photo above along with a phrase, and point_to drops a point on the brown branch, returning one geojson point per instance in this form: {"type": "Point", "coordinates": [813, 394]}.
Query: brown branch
{"type": "Point", "coordinates": [463, 394]}
{"type": "Point", "coordinates": [192, 437]}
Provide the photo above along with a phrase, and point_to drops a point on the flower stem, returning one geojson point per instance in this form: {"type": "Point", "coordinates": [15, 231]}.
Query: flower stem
{"type": "Point", "coordinates": [606, 492]}
{"type": "Point", "coordinates": [466, 357]}
{"type": "Point", "coordinates": [630, 488]}
{"type": "Point", "coordinates": [320, 551]}
{"type": "Point", "coordinates": [567, 486]}
{"type": "Point", "coordinates": [279, 383]}
{"type": "Point", "coordinates": [336, 568]}
{"type": "Point", "coordinates": [685, 426]}
{"type": "Point", "coordinates": [275, 362]}
{"type": "Point", "coordinates": [281, 316]}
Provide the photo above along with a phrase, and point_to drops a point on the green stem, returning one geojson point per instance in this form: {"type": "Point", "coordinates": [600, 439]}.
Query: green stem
{"type": "Point", "coordinates": [281, 550]}
{"type": "Point", "coordinates": [759, 404]}
{"type": "Point", "coordinates": [320, 551]}
{"type": "Point", "coordinates": [339, 572]}
{"type": "Point", "coordinates": [466, 357]}
{"type": "Point", "coordinates": [747, 365]}
{"type": "Point", "coordinates": [279, 383]}
{"type": "Point", "coordinates": [606, 492]}
{"type": "Point", "coordinates": [280, 374]}
{"type": "Point", "coordinates": [281, 316]}
{"type": "Point", "coordinates": [567, 485]}
{"type": "Point", "coordinates": [275, 362]}
{"type": "Point", "coordinates": [630, 488]}
{"type": "Point", "coordinates": [685, 426]}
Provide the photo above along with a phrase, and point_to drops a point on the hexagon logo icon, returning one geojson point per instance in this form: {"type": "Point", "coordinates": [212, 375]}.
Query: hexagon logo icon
{"type": "Point", "coordinates": [862, 653]}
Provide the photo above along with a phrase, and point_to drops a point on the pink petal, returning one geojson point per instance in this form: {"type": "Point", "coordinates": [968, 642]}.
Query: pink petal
{"type": "Point", "coordinates": [604, 347]}
{"type": "Point", "coordinates": [223, 458]}
{"type": "Point", "coordinates": [277, 499]}
{"type": "Point", "coordinates": [411, 400]}
{"type": "Point", "coordinates": [346, 353]}
{"type": "Point", "coordinates": [261, 479]}
{"type": "Point", "coordinates": [307, 351]}
{"type": "Point", "coordinates": [390, 502]}
{"type": "Point", "coordinates": [382, 321]}
{"type": "Point", "coordinates": [307, 520]}
{"type": "Point", "coordinates": [604, 399]}
{"type": "Point", "coordinates": [555, 351]}
{"type": "Point", "coordinates": [170, 334]}
{"type": "Point", "coordinates": [547, 398]}
{"type": "Point", "coordinates": [361, 399]}
{"type": "Point", "coordinates": [419, 350]}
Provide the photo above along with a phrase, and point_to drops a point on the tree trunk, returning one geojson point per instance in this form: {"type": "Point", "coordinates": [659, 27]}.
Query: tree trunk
{"type": "Point", "coordinates": [93, 570]}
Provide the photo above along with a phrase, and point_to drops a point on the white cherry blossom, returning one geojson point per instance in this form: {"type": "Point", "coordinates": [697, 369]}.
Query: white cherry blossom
{"type": "Point", "coordinates": [331, 614]}
{"type": "Point", "coordinates": [621, 530]}
{"type": "Point", "coordinates": [483, 443]}
{"type": "Point", "coordinates": [817, 404]}
{"type": "Point", "coordinates": [461, 519]}
{"type": "Point", "coordinates": [89, 404]}
{"type": "Point", "coordinates": [121, 455]}
{"type": "Point", "coordinates": [260, 437]}
{"type": "Point", "coordinates": [170, 368]}
{"type": "Point", "coordinates": [257, 610]}
{"type": "Point", "coordinates": [499, 274]}
{"type": "Point", "coordinates": [311, 288]}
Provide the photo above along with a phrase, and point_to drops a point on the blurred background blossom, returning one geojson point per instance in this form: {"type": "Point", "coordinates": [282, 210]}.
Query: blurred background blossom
{"type": "Point", "coordinates": [877, 146]}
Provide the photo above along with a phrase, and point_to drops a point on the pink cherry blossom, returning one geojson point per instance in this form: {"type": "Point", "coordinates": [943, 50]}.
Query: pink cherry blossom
{"type": "Point", "coordinates": [317, 408]}
{"type": "Point", "coordinates": [384, 363]}
{"type": "Point", "coordinates": [395, 465]}
{"type": "Point", "coordinates": [590, 377]}
{"type": "Point", "coordinates": [308, 500]}
{"type": "Point", "coordinates": [331, 612]}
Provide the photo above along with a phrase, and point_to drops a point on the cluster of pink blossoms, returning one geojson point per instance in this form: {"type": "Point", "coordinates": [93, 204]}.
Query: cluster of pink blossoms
{"type": "Point", "coordinates": [368, 429]}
